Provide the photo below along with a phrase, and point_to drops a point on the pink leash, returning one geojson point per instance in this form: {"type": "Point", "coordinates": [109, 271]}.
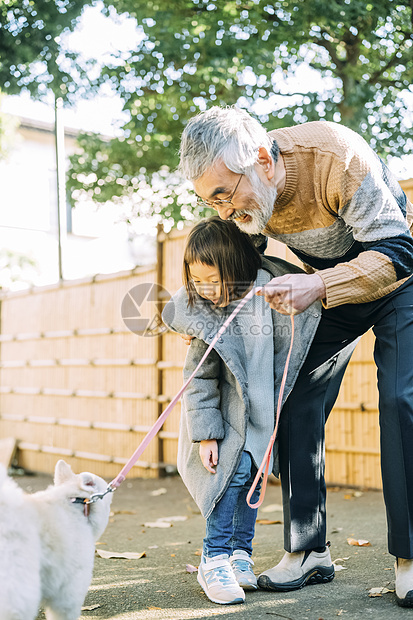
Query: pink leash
{"type": "Point", "coordinates": [116, 482]}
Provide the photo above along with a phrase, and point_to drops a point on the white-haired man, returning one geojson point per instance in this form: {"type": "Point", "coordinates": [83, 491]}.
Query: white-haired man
{"type": "Point", "coordinates": [319, 188]}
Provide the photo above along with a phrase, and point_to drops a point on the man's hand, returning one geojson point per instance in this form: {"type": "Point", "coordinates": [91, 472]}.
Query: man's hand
{"type": "Point", "coordinates": [208, 451]}
{"type": "Point", "coordinates": [293, 293]}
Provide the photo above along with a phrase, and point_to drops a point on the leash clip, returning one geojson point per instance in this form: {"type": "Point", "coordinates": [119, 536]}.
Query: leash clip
{"type": "Point", "coordinates": [94, 498]}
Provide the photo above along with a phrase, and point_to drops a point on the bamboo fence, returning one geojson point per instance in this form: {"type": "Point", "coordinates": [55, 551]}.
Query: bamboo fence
{"type": "Point", "coordinates": [77, 383]}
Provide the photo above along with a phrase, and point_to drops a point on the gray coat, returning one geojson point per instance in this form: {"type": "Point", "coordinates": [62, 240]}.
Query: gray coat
{"type": "Point", "coordinates": [215, 404]}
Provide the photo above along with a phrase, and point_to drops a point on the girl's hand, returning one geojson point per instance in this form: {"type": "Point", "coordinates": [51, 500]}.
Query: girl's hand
{"type": "Point", "coordinates": [186, 339]}
{"type": "Point", "coordinates": [208, 451]}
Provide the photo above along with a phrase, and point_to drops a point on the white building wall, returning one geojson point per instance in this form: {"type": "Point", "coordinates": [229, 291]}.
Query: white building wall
{"type": "Point", "coordinates": [99, 243]}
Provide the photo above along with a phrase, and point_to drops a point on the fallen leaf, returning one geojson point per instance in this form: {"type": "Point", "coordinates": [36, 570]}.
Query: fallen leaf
{"type": "Point", "coordinates": [357, 493]}
{"type": "Point", "coordinates": [347, 496]}
{"type": "Point", "coordinates": [198, 552]}
{"type": "Point", "coordinates": [341, 559]}
{"type": "Point", "coordinates": [336, 530]}
{"type": "Point", "coordinates": [154, 547]}
{"type": "Point", "coordinates": [378, 592]}
{"type": "Point", "coordinates": [272, 508]}
{"type": "Point", "coordinates": [358, 543]}
{"type": "Point", "coordinates": [165, 521]}
{"type": "Point", "coordinates": [375, 592]}
{"type": "Point", "coordinates": [157, 492]}
{"type": "Point", "coordinates": [154, 608]}
{"type": "Point", "coordinates": [191, 569]}
{"type": "Point", "coordinates": [173, 555]}
{"type": "Point", "coordinates": [267, 521]}
{"type": "Point", "coordinates": [339, 567]}
{"type": "Point", "coordinates": [90, 607]}
{"type": "Point", "coordinates": [123, 512]}
{"type": "Point", "coordinates": [128, 555]}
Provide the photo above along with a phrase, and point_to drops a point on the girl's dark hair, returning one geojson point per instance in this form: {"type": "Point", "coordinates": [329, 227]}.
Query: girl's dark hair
{"type": "Point", "coordinates": [220, 244]}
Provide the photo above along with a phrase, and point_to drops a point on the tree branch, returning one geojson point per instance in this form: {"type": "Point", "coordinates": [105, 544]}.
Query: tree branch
{"type": "Point", "coordinates": [330, 49]}
{"type": "Point", "coordinates": [393, 60]}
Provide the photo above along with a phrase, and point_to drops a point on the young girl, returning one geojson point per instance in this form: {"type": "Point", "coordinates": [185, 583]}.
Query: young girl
{"type": "Point", "coordinates": [228, 410]}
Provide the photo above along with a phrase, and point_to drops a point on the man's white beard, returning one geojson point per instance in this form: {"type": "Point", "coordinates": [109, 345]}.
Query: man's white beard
{"type": "Point", "coordinates": [263, 199]}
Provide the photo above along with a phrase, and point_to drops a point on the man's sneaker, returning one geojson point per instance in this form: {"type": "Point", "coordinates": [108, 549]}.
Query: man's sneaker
{"type": "Point", "coordinates": [218, 581]}
{"type": "Point", "coordinates": [297, 570]}
{"type": "Point", "coordinates": [404, 582]}
{"type": "Point", "coordinates": [242, 566]}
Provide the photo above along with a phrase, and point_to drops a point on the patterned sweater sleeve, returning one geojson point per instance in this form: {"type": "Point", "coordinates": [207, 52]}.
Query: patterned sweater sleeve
{"type": "Point", "coordinates": [364, 193]}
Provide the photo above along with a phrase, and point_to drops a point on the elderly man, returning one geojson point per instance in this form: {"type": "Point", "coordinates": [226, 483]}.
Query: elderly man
{"type": "Point", "coordinates": [320, 189]}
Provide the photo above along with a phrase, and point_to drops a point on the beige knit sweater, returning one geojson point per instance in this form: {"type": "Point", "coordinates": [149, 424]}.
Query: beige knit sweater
{"type": "Point", "coordinates": [342, 213]}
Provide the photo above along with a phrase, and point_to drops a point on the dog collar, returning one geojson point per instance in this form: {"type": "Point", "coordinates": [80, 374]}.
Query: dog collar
{"type": "Point", "coordinates": [82, 500]}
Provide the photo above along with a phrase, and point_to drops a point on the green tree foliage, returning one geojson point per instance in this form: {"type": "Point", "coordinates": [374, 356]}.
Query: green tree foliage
{"type": "Point", "coordinates": [31, 53]}
{"type": "Point", "coordinates": [198, 53]}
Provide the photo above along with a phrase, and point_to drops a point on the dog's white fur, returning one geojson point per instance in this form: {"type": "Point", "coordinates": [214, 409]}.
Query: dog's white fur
{"type": "Point", "coordinates": [47, 545]}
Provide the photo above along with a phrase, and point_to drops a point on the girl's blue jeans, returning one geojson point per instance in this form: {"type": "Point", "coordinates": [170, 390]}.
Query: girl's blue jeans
{"type": "Point", "coordinates": [231, 524]}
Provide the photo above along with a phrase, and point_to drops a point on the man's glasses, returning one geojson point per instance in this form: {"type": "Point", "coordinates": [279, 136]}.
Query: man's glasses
{"type": "Point", "coordinates": [219, 203]}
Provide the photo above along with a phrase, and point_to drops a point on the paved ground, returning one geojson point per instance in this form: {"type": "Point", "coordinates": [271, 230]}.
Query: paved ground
{"type": "Point", "coordinates": [158, 585]}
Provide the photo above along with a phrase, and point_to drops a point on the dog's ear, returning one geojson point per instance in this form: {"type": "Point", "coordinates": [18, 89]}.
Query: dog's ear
{"type": "Point", "coordinates": [62, 472]}
{"type": "Point", "coordinates": [87, 481]}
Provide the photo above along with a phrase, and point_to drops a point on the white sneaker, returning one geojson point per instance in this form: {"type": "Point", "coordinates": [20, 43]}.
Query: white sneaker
{"type": "Point", "coordinates": [217, 580]}
{"type": "Point", "coordinates": [242, 564]}
{"type": "Point", "coordinates": [297, 570]}
{"type": "Point", "coordinates": [404, 582]}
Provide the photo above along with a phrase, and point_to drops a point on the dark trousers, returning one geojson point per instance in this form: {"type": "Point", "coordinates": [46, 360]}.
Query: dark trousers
{"type": "Point", "coordinates": [301, 432]}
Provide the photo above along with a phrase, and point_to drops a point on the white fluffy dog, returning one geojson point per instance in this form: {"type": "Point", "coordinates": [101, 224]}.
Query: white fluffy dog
{"type": "Point", "coordinates": [47, 545]}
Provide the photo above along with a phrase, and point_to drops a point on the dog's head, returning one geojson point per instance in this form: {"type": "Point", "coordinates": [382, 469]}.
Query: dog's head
{"type": "Point", "coordinates": [85, 485]}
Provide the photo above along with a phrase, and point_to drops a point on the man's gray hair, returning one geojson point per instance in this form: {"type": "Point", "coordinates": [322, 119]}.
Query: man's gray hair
{"type": "Point", "coordinates": [228, 134]}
